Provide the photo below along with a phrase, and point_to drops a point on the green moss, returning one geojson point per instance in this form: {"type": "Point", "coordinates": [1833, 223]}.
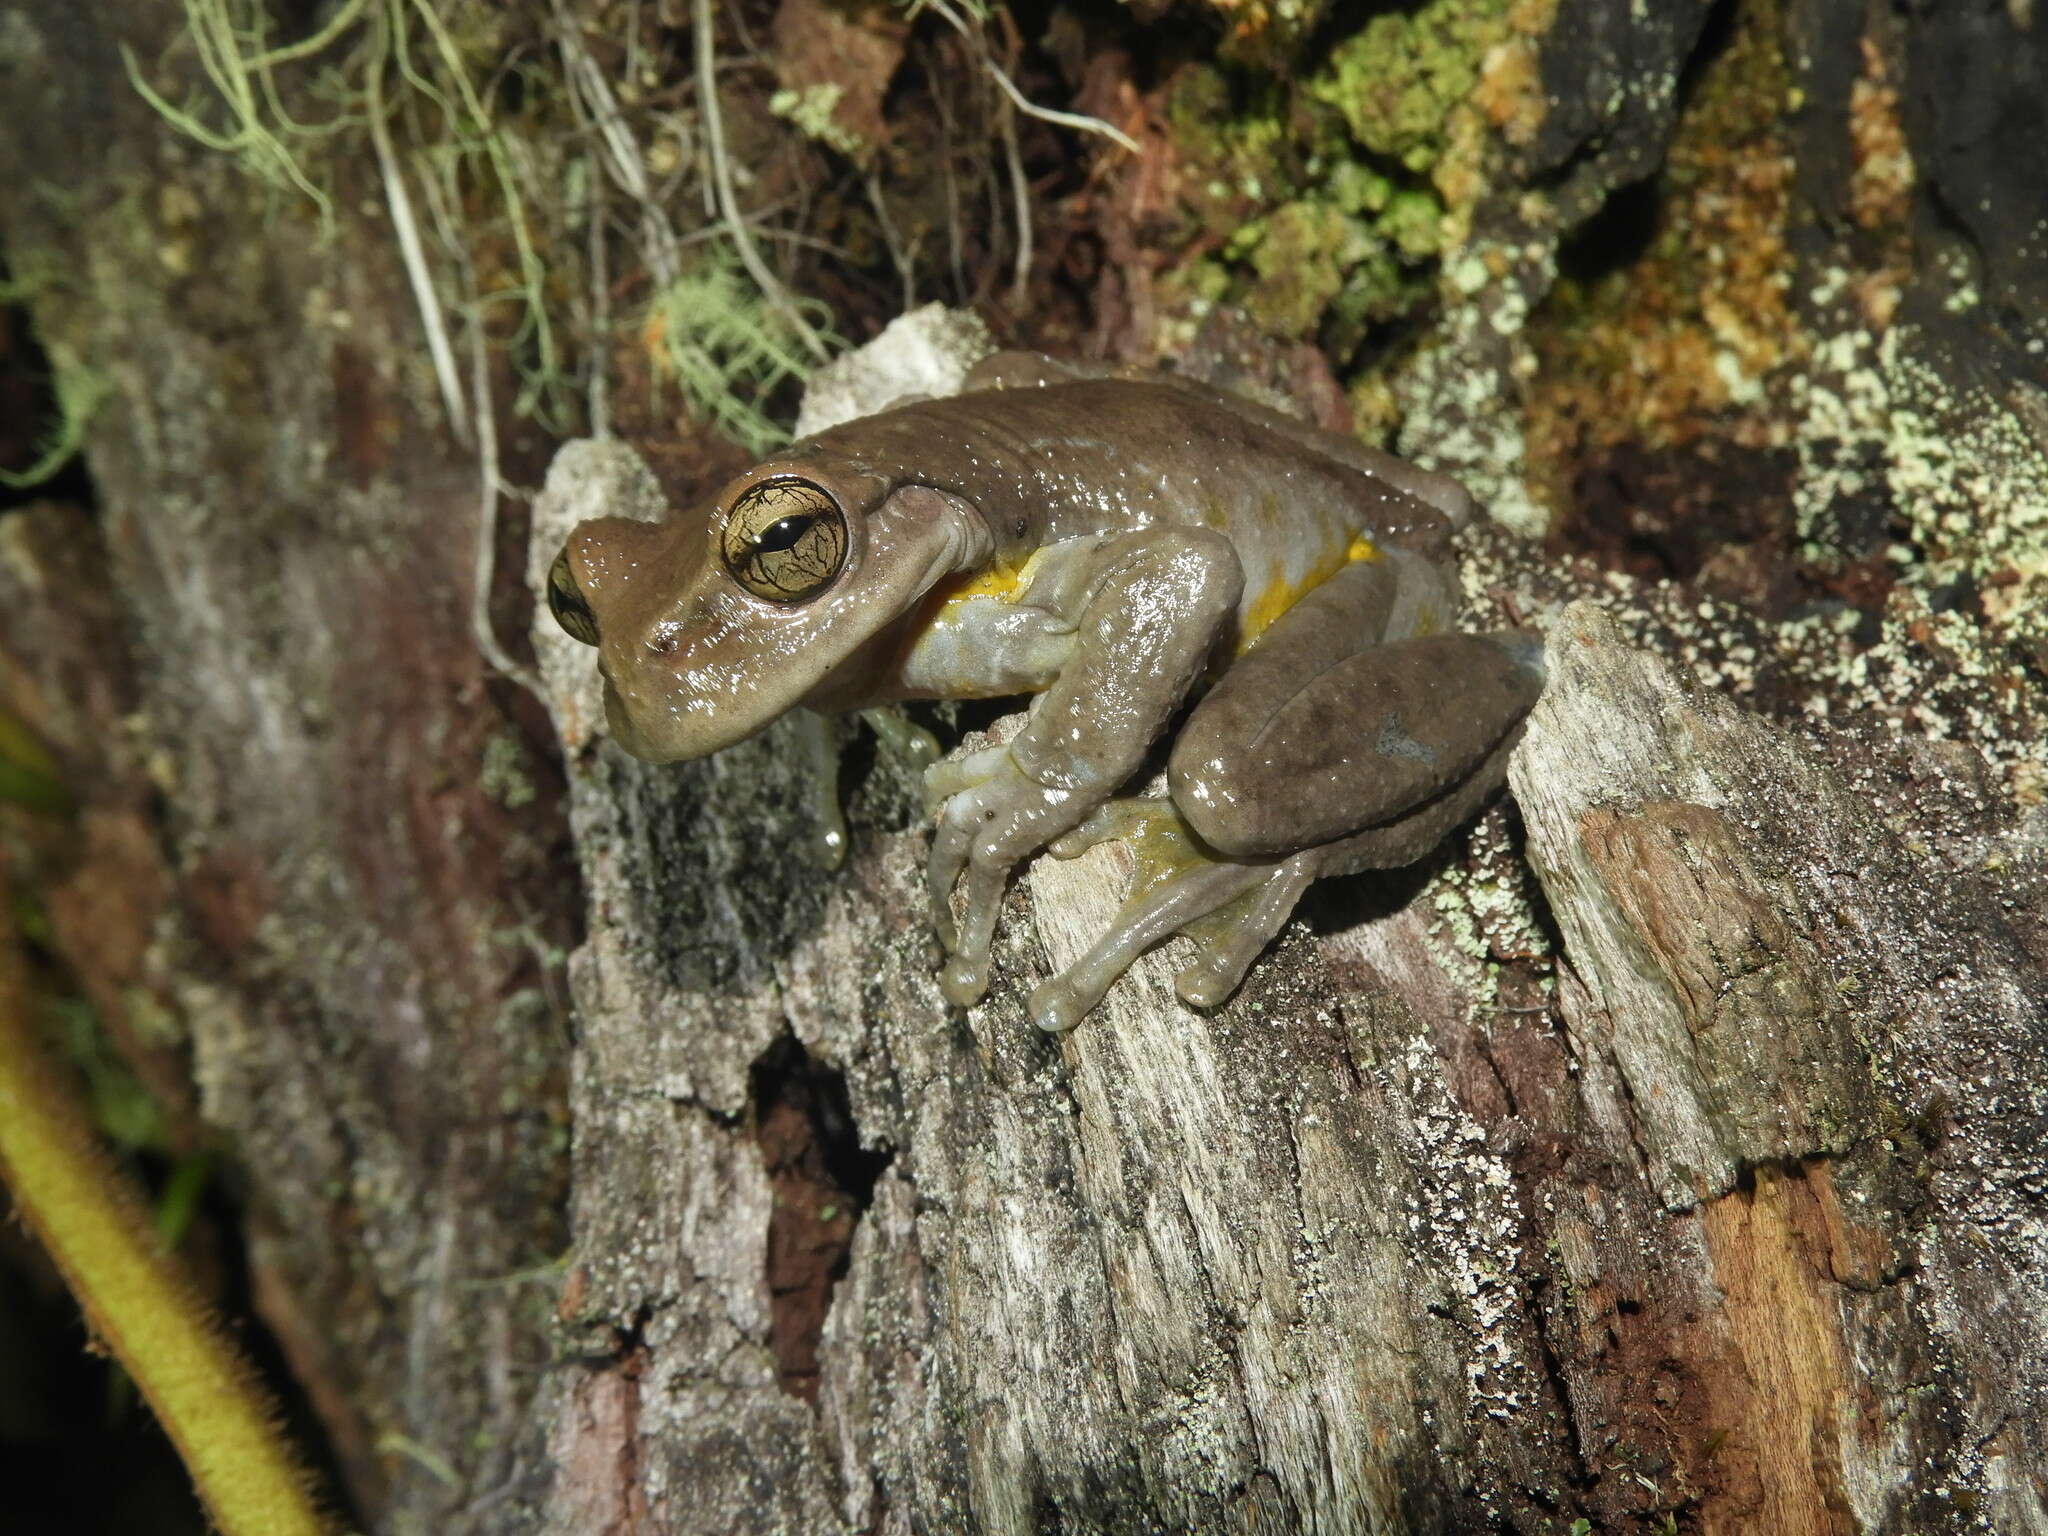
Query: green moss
{"type": "Point", "coordinates": [1412, 222]}
{"type": "Point", "coordinates": [1317, 204]}
{"type": "Point", "coordinates": [1300, 259]}
{"type": "Point", "coordinates": [1397, 80]}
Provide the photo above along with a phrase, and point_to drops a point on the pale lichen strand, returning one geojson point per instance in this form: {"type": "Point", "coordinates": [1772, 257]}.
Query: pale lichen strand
{"type": "Point", "coordinates": [1465, 1216]}
{"type": "Point", "coordinates": [1453, 400]}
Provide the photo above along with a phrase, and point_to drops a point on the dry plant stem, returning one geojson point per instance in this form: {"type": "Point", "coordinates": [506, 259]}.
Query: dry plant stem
{"type": "Point", "coordinates": [96, 1229]}
{"type": "Point", "coordinates": [658, 243]}
{"type": "Point", "coordinates": [411, 251]}
{"type": "Point", "coordinates": [305, 48]}
{"type": "Point", "coordinates": [953, 242]}
{"type": "Point", "coordinates": [770, 287]}
{"type": "Point", "coordinates": [531, 274]}
{"type": "Point", "coordinates": [600, 406]}
{"type": "Point", "coordinates": [213, 37]}
{"type": "Point", "coordinates": [1018, 99]}
{"type": "Point", "coordinates": [1020, 192]}
{"type": "Point", "coordinates": [487, 521]}
{"type": "Point", "coordinates": [899, 256]}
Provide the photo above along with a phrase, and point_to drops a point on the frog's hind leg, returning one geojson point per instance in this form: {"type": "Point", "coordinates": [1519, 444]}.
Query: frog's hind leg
{"type": "Point", "coordinates": [1168, 908]}
{"type": "Point", "coordinates": [1344, 740]}
{"type": "Point", "coordinates": [1355, 734]}
{"type": "Point", "coordinates": [1358, 717]}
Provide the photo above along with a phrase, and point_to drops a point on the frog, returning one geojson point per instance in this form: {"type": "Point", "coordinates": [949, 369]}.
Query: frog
{"type": "Point", "coordinates": [1161, 566]}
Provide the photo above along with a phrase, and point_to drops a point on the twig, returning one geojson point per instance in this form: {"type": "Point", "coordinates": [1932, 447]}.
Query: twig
{"type": "Point", "coordinates": [412, 253]}
{"type": "Point", "coordinates": [899, 257]}
{"type": "Point", "coordinates": [486, 567]}
{"type": "Point", "coordinates": [1080, 121]}
{"type": "Point", "coordinates": [622, 151]}
{"type": "Point", "coordinates": [1020, 192]}
{"type": "Point", "coordinates": [337, 24]}
{"type": "Point", "coordinates": [530, 270]}
{"type": "Point", "coordinates": [600, 315]}
{"type": "Point", "coordinates": [766, 282]}
{"type": "Point", "coordinates": [953, 242]}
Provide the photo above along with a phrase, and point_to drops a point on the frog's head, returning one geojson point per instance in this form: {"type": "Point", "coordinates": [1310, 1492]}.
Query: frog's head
{"type": "Point", "coordinates": [710, 625]}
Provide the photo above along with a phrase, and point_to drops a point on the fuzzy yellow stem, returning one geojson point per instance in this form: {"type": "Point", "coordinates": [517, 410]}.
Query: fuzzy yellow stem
{"type": "Point", "coordinates": [94, 1225]}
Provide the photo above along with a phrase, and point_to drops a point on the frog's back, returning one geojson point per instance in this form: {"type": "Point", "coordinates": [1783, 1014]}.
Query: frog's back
{"type": "Point", "coordinates": [1111, 455]}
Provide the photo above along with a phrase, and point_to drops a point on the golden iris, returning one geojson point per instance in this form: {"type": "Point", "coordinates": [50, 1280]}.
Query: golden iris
{"type": "Point", "coordinates": [784, 540]}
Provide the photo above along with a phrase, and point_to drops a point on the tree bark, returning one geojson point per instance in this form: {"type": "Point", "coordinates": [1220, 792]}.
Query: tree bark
{"type": "Point", "coordinates": [1374, 1247]}
{"type": "Point", "coordinates": [1665, 1153]}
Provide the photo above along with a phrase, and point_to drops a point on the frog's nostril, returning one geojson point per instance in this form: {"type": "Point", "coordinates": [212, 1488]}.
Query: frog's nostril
{"type": "Point", "coordinates": [565, 601]}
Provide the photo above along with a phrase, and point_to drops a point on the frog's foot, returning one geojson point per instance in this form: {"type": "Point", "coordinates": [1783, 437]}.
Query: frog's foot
{"type": "Point", "coordinates": [994, 816]}
{"type": "Point", "coordinates": [1232, 907]}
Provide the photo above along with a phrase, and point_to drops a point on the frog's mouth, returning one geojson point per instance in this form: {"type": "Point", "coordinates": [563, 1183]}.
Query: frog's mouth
{"type": "Point", "coordinates": [618, 720]}
{"type": "Point", "coordinates": [683, 724]}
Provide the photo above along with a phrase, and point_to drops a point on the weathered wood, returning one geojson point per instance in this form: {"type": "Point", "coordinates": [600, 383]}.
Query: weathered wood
{"type": "Point", "coordinates": [334, 821]}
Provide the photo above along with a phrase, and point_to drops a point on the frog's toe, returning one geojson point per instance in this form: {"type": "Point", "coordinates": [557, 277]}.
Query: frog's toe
{"type": "Point", "coordinates": [1235, 944]}
{"type": "Point", "coordinates": [955, 776]}
{"type": "Point", "coordinates": [913, 745]}
{"type": "Point", "coordinates": [948, 856]}
{"type": "Point", "coordinates": [1058, 1005]}
{"type": "Point", "coordinates": [1132, 819]}
{"type": "Point", "coordinates": [1167, 907]}
{"type": "Point", "coordinates": [999, 818]}
{"type": "Point", "coordinates": [963, 981]}
{"type": "Point", "coordinates": [819, 745]}
{"type": "Point", "coordinates": [964, 978]}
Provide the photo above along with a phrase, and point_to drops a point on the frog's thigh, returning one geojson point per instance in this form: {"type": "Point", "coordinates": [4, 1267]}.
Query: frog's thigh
{"type": "Point", "coordinates": [1155, 602]}
{"type": "Point", "coordinates": [1325, 729]}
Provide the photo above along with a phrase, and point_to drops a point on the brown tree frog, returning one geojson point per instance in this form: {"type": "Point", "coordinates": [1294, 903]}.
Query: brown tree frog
{"type": "Point", "coordinates": [1122, 546]}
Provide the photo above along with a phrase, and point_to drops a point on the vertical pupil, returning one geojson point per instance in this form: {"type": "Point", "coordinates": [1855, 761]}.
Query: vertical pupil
{"type": "Point", "coordinates": [783, 533]}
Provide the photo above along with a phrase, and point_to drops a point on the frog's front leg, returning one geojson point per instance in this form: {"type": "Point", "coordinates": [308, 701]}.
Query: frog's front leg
{"type": "Point", "coordinates": [1145, 624]}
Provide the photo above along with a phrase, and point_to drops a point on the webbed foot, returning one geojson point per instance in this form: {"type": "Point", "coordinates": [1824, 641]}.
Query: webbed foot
{"type": "Point", "coordinates": [1232, 907]}
{"type": "Point", "coordinates": [914, 746]}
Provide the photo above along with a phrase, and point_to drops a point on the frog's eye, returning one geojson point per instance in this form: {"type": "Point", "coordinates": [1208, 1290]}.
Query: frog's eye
{"type": "Point", "coordinates": [784, 540]}
{"type": "Point", "coordinates": [565, 601]}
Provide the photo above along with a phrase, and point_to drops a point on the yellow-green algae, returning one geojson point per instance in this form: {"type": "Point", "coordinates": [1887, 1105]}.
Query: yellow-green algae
{"type": "Point", "coordinates": [1324, 207]}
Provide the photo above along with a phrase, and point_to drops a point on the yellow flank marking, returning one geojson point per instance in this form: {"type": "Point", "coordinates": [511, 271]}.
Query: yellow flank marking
{"type": "Point", "coordinates": [1000, 582]}
{"type": "Point", "coordinates": [1279, 594]}
{"type": "Point", "coordinates": [945, 604]}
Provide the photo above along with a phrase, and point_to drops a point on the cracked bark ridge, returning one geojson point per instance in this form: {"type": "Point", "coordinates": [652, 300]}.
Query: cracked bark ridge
{"type": "Point", "coordinates": [1821, 1044]}
{"type": "Point", "coordinates": [1740, 1228]}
